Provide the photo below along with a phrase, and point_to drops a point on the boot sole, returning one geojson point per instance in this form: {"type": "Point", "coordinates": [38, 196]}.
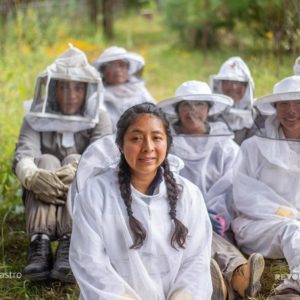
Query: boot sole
{"type": "Point", "coordinates": [62, 277]}
{"type": "Point", "coordinates": [257, 265]}
{"type": "Point", "coordinates": [36, 276]}
{"type": "Point", "coordinates": [219, 287]}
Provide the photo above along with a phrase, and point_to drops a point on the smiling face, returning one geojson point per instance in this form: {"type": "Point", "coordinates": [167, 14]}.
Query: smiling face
{"type": "Point", "coordinates": [70, 96]}
{"type": "Point", "coordinates": [145, 146]}
{"type": "Point", "coordinates": [288, 114]}
{"type": "Point", "coordinates": [192, 116]}
{"type": "Point", "coordinates": [234, 89]}
{"type": "Point", "coordinates": [115, 72]}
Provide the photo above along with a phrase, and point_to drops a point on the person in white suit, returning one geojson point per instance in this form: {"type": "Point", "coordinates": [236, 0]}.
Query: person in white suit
{"type": "Point", "coordinates": [234, 80]}
{"type": "Point", "coordinates": [141, 231]}
{"type": "Point", "coordinates": [266, 185]}
{"type": "Point", "coordinates": [61, 121]}
{"type": "Point", "coordinates": [209, 154]}
{"type": "Point", "coordinates": [120, 71]}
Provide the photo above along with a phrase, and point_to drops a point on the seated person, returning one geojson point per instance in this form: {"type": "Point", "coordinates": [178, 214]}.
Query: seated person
{"type": "Point", "coordinates": [266, 186]}
{"type": "Point", "coordinates": [61, 121]}
{"type": "Point", "coordinates": [141, 231]}
{"type": "Point", "coordinates": [120, 71]}
{"type": "Point", "coordinates": [209, 154]}
{"type": "Point", "coordinates": [235, 81]}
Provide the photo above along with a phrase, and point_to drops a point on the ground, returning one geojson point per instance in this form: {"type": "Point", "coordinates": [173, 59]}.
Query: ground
{"type": "Point", "coordinates": [13, 258]}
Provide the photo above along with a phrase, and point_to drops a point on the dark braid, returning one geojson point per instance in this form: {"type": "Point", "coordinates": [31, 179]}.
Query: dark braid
{"type": "Point", "coordinates": [128, 118]}
{"type": "Point", "coordinates": [135, 225]}
{"type": "Point", "coordinates": [180, 232]}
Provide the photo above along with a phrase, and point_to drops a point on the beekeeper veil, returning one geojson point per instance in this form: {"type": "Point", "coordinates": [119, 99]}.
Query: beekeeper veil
{"type": "Point", "coordinates": [272, 140]}
{"type": "Point", "coordinates": [190, 146]}
{"type": "Point", "coordinates": [67, 96]}
{"type": "Point", "coordinates": [235, 69]}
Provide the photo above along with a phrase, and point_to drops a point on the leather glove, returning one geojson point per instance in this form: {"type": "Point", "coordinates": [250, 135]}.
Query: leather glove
{"type": "Point", "coordinates": [67, 172]}
{"type": "Point", "coordinates": [218, 223]}
{"type": "Point", "coordinates": [51, 200]}
{"type": "Point", "coordinates": [46, 186]}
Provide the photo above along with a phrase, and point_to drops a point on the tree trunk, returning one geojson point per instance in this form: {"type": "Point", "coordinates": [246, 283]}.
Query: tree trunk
{"type": "Point", "coordinates": [108, 22]}
{"type": "Point", "coordinates": [93, 10]}
{"type": "Point", "coordinates": [4, 11]}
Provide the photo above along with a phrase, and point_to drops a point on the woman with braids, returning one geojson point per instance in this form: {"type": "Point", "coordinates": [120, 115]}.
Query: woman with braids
{"type": "Point", "coordinates": [141, 231]}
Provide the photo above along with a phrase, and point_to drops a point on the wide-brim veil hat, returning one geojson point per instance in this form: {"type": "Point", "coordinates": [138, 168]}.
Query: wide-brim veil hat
{"type": "Point", "coordinates": [135, 61]}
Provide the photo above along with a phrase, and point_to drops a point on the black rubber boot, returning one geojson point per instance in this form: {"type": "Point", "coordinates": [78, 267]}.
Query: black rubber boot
{"type": "Point", "coordinates": [39, 260]}
{"type": "Point", "coordinates": [61, 269]}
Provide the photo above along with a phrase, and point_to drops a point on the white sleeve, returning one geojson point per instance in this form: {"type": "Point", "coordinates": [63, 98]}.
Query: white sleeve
{"type": "Point", "coordinates": [252, 197]}
{"type": "Point", "coordinates": [193, 279]}
{"type": "Point", "coordinates": [90, 264]}
{"type": "Point", "coordinates": [220, 195]}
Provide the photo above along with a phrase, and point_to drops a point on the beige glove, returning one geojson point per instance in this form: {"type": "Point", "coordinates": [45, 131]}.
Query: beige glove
{"type": "Point", "coordinates": [47, 186]}
{"type": "Point", "coordinates": [67, 172]}
{"type": "Point", "coordinates": [128, 296]}
{"type": "Point", "coordinates": [50, 199]}
{"type": "Point", "coordinates": [180, 295]}
{"type": "Point", "coordinates": [284, 212]}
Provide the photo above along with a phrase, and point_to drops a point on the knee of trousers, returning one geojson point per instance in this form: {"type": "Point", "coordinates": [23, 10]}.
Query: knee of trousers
{"type": "Point", "coordinates": [70, 158]}
{"type": "Point", "coordinates": [48, 162]}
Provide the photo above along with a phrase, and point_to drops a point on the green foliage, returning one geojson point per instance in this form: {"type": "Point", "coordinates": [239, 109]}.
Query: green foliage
{"type": "Point", "coordinates": [203, 23]}
{"type": "Point", "coordinates": [276, 20]}
{"type": "Point", "coordinates": [197, 21]}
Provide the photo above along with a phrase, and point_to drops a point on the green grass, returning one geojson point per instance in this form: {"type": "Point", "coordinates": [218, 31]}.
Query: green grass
{"type": "Point", "coordinates": [168, 64]}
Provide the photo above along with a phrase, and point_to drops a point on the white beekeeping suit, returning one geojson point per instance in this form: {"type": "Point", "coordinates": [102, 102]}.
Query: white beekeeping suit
{"type": "Point", "coordinates": [208, 158]}
{"type": "Point", "coordinates": [239, 116]}
{"type": "Point", "coordinates": [105, 267]}
{"type": "Point", "coordinates": [119, 97]}
{"type": "Point", "coordinates": [266, 186]}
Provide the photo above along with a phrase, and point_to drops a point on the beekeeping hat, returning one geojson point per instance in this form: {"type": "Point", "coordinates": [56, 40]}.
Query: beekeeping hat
{"type": "Point", "coordinates": [288, 89]}
{"type": "Point", "coordinates": [135, 61]}
{"type": "Point", "coordinates": [196, 91]}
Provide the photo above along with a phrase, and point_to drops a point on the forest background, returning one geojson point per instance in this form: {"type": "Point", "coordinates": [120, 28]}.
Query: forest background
{"type": "Point", "coordinates": [180, 40]}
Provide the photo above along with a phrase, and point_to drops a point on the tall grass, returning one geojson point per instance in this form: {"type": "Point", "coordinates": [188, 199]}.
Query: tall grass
{"type": "Point", "coordinates": [32, 43]}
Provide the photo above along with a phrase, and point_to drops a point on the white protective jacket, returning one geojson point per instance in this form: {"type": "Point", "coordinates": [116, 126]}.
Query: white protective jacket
{"type": "Point", "coordinates": [268, 175]}
{"type": "Point", "coordinates": [105, 267]}
{"type": "Point", "coordinates": [208, 163]}
{"type": "Point", "coordinates": [266, 196]}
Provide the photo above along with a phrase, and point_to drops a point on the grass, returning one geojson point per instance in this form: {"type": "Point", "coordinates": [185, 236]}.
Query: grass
{"type": "Point", "coordinates": [168, 64]}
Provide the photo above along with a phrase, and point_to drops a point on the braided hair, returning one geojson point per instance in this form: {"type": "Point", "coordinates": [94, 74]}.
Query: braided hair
{"type": "Point", "coordinates": [129, 116]}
